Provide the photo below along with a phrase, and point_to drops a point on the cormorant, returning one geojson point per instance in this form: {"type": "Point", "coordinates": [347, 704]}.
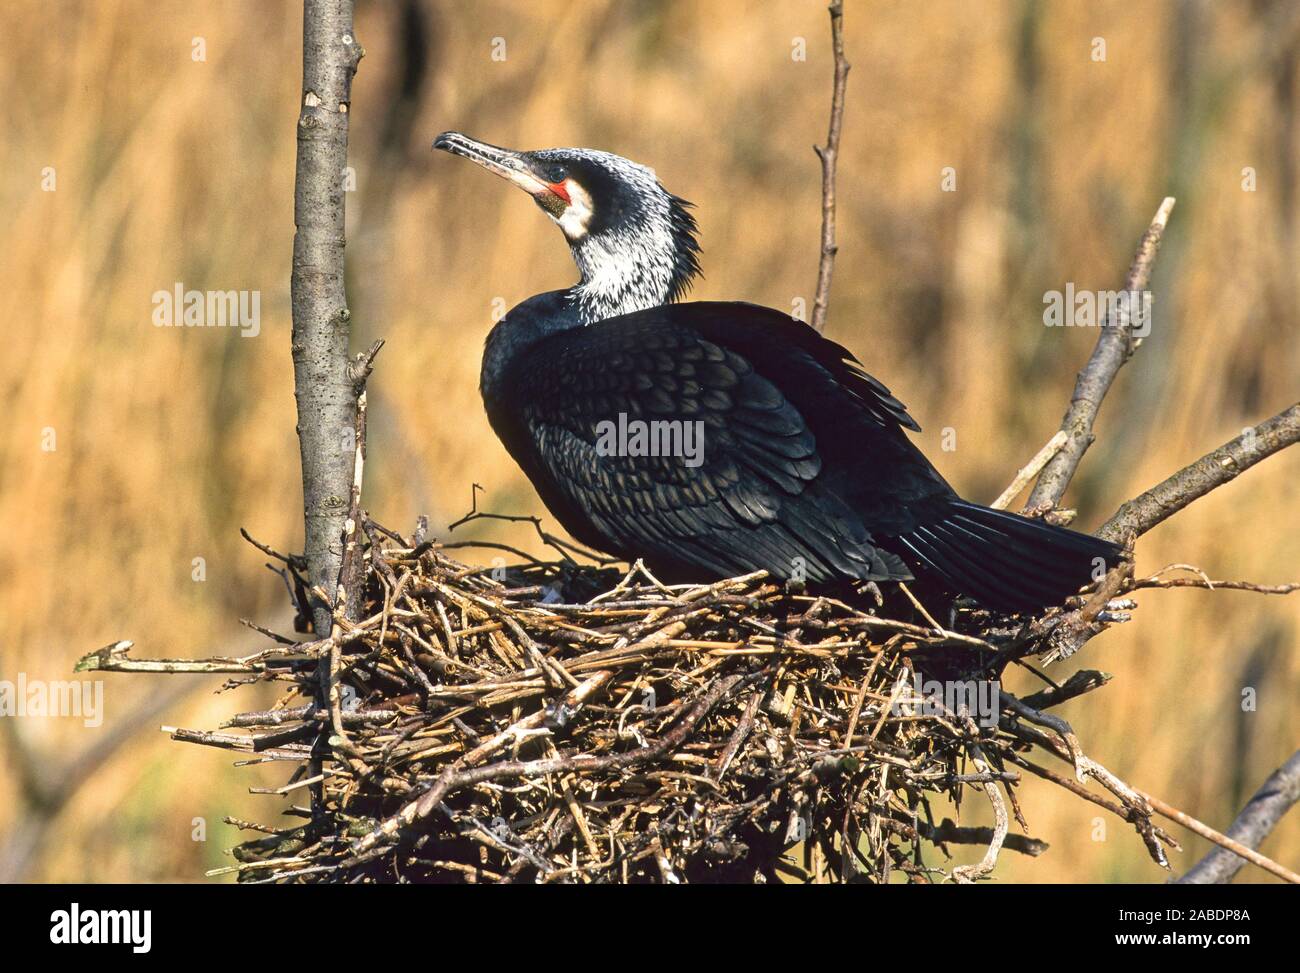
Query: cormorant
{"type": "Point", "coordinates": [713, 438]}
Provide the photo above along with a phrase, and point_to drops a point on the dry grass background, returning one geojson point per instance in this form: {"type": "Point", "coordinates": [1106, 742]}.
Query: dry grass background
{"type": "Point", "coordinates": [168, 440]}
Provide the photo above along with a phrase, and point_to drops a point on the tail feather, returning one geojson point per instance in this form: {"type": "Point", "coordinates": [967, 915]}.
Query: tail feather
{"type": "Point", "coordinates": [1004, 561]}
{"type": "Point", "coordinates": [957, 575]}
{"type": "Point", "coordinates": [1002, 545]}
{"type": "Point", "coordinates": [995, 562]}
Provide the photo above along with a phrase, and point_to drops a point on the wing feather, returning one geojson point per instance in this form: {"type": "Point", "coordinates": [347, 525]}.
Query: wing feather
{"type": "Point", "coordinates": [755, 497]}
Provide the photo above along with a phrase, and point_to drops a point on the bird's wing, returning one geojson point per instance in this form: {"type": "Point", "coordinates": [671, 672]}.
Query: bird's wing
{"type": "Point", "coordinates": [773, 340]}
{"type": "Point", "coordinates": [869, 460]}
{"type": "Point", "coordinates": [737, 489]}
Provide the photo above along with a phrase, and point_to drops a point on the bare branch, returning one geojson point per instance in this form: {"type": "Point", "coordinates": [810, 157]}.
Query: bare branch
{"type": "Point", "coordinates": [829, 154]}
{"type": "Point", "coordinates": [1133, 804]}
{"type": "Point", "coordinates": [1030, 470]}
{"type": "Point", "coordinates": [115, 658]}
{"type": "Point", "coordinates": [1083, 681]}
{"type": "Point", "coordinates": [1162, 501]}
{"type": "Point", "coordinates": [968, 874]}
{"type": "Point", "coordinates": [949, 832]}
{"type": "Point", "coordinates": [1205, 583]}
{"type": "Point", "coordinates": [1165, 499]}
{"type": "Point", "coordinates": [1222, 840]}
{"type": "Point", "coordinates": [1114, 346]}
{"type": "Point", "coordinates": [1251, 826]}
{"type": "Point", "coordinates": [325, 392]}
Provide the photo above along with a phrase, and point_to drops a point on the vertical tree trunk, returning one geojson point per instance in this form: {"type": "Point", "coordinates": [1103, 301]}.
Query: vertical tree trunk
{"type": "Point", "coordinates": [325, 392]}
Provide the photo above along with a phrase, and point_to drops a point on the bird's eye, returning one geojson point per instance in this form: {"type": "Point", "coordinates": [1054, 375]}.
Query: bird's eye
{"type": "Point", "coordinates": [557, 174]}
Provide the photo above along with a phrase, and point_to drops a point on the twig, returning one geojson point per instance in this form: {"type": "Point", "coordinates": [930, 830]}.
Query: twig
{"type": "Point", "coordinates": [968, 874]}
{"type": "Point", "coordinates": [1030, 470]}
{"type": "Point", "coordinates": [1259, 589]}
{"type": "Point", "coordinates": [1137, 810]}
{"type": "Point", "coordinates": [949, 832]}
{"type": "Point", "coordinates": [419, 808]}
{"type": "Point", "coordinates": [828, 155]}
{"type": "Point", "coordinates": [1114, 346]}
{"type": "Point", "coordinates": [1166, 498]}
{"type": "Point", "coordinates": [1256, 820]}
{"type": "Point", "coordinates": [114, 658]}
{"type": "Point", "coordinates": [1222, 840]}
{"type": "Point", "coordinates": [562, 547]}
{"type": "Point", "coordinates": [743, 726]}
{"type": "Point", "coordinates": [1083, 681]}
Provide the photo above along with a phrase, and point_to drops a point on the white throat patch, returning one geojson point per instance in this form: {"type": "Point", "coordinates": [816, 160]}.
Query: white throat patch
{"type": "Point", "coordinates": [577, 215]}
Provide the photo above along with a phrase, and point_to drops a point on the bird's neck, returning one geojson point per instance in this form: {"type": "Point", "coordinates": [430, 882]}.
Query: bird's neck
{"type": "Point", "coordinates": [622, 274]}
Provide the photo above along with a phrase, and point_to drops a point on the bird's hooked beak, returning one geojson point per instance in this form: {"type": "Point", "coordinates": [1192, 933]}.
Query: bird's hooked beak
{"type": "Point", "coordinates": [516, 167]}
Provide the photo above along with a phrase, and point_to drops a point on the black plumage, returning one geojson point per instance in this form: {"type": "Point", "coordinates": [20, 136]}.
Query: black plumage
{"type": "Point", "coordinates": [805, 470]}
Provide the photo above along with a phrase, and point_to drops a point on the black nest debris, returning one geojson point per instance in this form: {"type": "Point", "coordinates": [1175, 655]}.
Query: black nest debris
{"type": "Point", "coordinates": [563, 723]}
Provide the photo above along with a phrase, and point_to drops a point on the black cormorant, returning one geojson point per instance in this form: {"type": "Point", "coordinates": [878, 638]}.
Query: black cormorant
{"type": "Point", "coordinates": [713, 438]}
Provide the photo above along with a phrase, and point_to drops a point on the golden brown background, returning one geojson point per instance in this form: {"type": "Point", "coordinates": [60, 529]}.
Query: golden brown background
{"type": "Point", "coordinates": [168, 440]}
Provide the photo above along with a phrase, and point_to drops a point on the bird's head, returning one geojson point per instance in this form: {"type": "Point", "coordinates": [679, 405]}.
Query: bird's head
{"type": "Point", "coordinates": [633, 241]}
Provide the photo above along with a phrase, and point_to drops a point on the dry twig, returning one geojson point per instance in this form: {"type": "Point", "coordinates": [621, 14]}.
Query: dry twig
{"type": "Point", "coordinates": [1251, 826]}
{"type": "Point", "coordinates": [829, 155]}
{"type": "Point", "coordinates": [1115, 344]}
{"type": "Point", "coordinates": [1171, 495]}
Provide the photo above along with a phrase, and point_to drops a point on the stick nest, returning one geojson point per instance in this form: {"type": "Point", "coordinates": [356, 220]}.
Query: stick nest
{"type": "Point", "coordinates": [564, 723]}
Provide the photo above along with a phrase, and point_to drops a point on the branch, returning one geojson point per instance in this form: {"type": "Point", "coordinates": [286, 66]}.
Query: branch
{"type": "Point", "coordinates": [828, 155]}
{"type": "Point", "coordinates": [1165, 499]}
{"type": "Point", "coordinates": [1251, 826]}
{"type": "Point", "coordinates": [115, 658]}
{"type": "Point", "coordinates": [949, 832]}
{"type": "Point", "coordinates": [1030, 470]}
{"type": "Point", "coordinates": [1114, 346]}
{"type": "Point", "coordinates": [1133, 806]}
{"type": "Point", "coordinates": [968, 874]}
{"type": "Point", "coordinates": [1162, 501]}
{"type": "Point", "coordinates": [1223, 841]}
{"type": "Point", "coordinates": [1138, 805]}
{"type": "Point", "coordinates": [1083, 681]}
{"type": "Point", "coordinates": [350, 593]}
{"type": "Point", "coordinates": [325, 393]}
